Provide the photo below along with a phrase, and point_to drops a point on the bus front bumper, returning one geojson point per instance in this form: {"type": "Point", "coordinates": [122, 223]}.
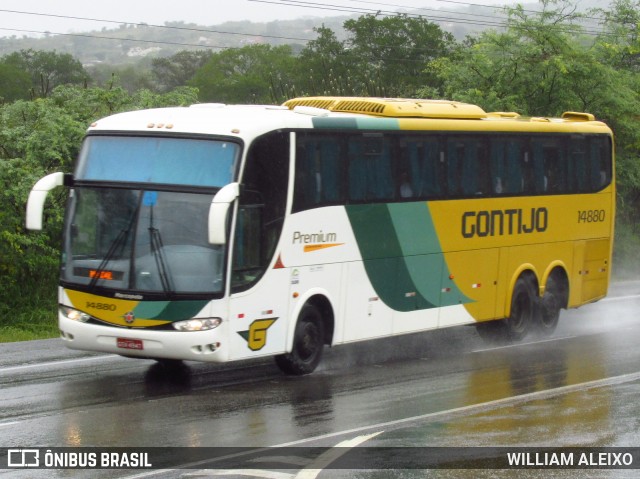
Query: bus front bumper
{"type": "Point", "coordinates": [208, 346]}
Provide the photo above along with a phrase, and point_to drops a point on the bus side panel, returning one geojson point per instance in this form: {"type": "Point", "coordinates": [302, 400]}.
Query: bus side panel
{"type": "Point", "coordinates": [593, 269]}
{"type": "Point", "coordinates": [320, 250]}
{"type": "Point", "coordinates": [475, 272]}
{"type": "Point", "coordinates": [366, 315]}
{"type": "Point", "coordinates": [421, 291]}
{"type": "Point", "coordinates": [259, 317]}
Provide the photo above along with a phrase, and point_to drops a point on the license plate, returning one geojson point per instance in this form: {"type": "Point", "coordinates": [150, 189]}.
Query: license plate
{"type": "Point", "coordinates": [125, 343]}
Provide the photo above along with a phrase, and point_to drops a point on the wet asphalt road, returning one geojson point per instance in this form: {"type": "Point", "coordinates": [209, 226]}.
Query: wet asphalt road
{"type": "Point", "coordinates": [444, 388]}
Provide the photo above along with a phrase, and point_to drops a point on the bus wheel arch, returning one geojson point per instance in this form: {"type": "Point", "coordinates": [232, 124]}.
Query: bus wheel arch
{"type": "Point", "coordinates": [313, 330]}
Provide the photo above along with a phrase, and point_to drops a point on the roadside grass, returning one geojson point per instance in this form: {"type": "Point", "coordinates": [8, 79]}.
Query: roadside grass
{"type": "Point", "coordinates": [27, 327]}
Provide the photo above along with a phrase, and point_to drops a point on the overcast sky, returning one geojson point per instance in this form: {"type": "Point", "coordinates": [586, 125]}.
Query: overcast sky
{"type": "Point", "coordinates": [47, 15]}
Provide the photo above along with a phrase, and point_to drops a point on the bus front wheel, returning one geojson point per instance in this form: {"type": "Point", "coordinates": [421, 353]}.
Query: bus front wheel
{"type": "Point", "coordinates": [308, 344]}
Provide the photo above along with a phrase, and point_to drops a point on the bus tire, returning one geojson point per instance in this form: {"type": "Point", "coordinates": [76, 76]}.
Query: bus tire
{"type": "Point", "coordinates": [308, 344]}
{"type": "Point", "coordinates": [524, 309]}
{"type": "Point", "coordinates": [550, 305]}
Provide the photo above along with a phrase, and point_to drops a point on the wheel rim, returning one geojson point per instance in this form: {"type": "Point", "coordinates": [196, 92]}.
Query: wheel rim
{"type": "Point", "coordinates": [308, 346]}
{"type": "Point", "coordinates": [520, 312]}
{"type": "Point", "coordinates": [550, 309]}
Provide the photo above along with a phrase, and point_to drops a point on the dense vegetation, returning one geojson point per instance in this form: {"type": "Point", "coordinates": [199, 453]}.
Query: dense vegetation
{"type": "Point", "coordinates": [540, 64]}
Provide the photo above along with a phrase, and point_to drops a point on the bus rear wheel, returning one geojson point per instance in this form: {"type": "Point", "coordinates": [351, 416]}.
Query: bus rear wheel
{"type": "Point", "coordinates": [308, 344]}
{"type": "Point", "coordinates": [550, 305]}
{"type": "Point", "coordinates": [524, 307]}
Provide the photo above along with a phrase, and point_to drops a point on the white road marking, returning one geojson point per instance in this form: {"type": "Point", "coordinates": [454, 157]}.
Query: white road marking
{"type": "Point", "coordinates": [517, 345]}
{"type": "Point", "coordinates": [619, 298]}
{"type": "Point", "coordinates": [12, 423]}
{"type": "Point", "coordinates": [56, 363]}
{"type": "Point", "coordinates": [295, 460]}
{"type": "Point", "coordinates": [315, 468]}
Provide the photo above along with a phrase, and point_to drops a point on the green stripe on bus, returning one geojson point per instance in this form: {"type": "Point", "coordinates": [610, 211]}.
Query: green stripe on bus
{"type": "Point", "coordinates": [169, 310]}
{"type": "Point", "coordinates": [402, 255]}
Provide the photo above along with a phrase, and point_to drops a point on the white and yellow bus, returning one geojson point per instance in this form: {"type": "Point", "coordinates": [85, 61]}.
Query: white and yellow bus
{"type": "Point", "coordinates": [219, 233]}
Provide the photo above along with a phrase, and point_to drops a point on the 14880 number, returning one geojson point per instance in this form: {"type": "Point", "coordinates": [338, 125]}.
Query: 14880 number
{"type": "Point", "coordinates": [591, 216]}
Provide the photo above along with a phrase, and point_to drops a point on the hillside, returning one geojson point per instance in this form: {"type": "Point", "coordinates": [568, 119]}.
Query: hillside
{"type": "Point", "coordinates": [129, 43]}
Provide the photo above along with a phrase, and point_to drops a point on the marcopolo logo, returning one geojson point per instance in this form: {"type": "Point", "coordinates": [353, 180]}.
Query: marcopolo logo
{"type": "Point", "coordinates": [256, 336]}
{"type": "Point", "coordinates": [504, 222]}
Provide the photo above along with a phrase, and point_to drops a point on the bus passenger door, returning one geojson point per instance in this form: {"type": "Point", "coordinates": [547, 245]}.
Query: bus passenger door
{"type": "Point", "coordinates": [259, 300]}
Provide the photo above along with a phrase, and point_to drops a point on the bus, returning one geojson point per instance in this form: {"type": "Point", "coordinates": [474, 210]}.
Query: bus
{"type": "Point", "coordinates": [227, 232]}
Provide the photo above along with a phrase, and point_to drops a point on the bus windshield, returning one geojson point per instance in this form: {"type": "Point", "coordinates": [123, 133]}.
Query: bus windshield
{"type": "Point", "coordinates": [141, 241]}
{"type": "Point", "coordinates": [161, 160]}
{"type": "Point", "coordinates": [124, 233]}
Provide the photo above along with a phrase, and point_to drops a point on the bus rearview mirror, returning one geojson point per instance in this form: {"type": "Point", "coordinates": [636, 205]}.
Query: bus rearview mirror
{"type": "Point", "coordinates": [37, 197]}
{"type": "Point", "coordinates": [218, 210]}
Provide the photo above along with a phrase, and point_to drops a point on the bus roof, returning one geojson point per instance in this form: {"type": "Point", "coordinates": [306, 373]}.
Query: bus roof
{"type": "Point", "coordinates": [249, 121]}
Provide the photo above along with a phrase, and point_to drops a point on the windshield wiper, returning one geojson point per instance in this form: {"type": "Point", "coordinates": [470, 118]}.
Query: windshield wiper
{"type": "Point", "coordinates": [158, 255]}
{"type": "Point", "coordinates": [119, 242]}
{"type": "Point", "coordinates": [157, 248]}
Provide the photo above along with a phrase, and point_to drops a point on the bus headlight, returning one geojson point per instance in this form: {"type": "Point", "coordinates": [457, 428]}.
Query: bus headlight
{"type": "Point", "coordinates": [74, 314]}
{"type": "Point", "coordinates": [197, 324]}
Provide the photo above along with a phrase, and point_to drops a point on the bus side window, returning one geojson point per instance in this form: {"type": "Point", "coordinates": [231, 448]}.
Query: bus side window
{"type": "Point", "coordinates": [540, 179]}
{"type": "Point", "coordinates": [508, 166]}
{"type": "Point", "coordinates": [454, 155]}
{"type": "Point", "coordinates": [475, 171]}
{"type": "Point", "coordinates": [515, 164]}
{"type": "Point", "coordinates": [370, 171]}
{"type": "Point", "coordinates": [467, 167]}
{"type": "Point", "coordinates": [549, 152]}
{"type": "Point", "coordinates": [600, 158]}
{"type": "Point", "coordinates": [318, 172]}
{"type": "Point", "coordinates": [579, 168]}
{"type": "Point", "coordinates": [497, 165]}
{"type": "Point", "coordinates": [424, 167]}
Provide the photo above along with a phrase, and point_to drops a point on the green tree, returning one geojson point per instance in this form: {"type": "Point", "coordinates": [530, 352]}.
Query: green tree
{"type": "Point", "coordinates": [390, 54]}
{"type": "Point", "coordinates": [47, 69]}
{"type": "Point", "coordinates": [621, 41]}
{"type": "Point", "coordinates": [176, 71]}
{"type": "Point", "coordinates": [40, 131]}
{"type": "Point", "coordinates": [536, 66]}
{"type": "Point", "coordinates": [13, 83]}
{"type": "Point", "coordinates": [244, 75]}
{"type": "Point", "coordinates": [130, 77]}
{"type": "Point", "coordinates": [324, 68]}
{"type": "Point", "coordinates": [28, 262]}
